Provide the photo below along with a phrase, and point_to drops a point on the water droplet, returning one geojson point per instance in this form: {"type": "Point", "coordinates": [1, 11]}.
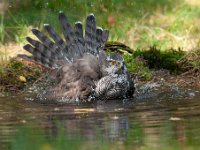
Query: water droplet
{"type": "Point", "coordinates": [191, 94]}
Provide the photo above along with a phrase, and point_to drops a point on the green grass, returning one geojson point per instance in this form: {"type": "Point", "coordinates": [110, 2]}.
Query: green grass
{"type": "Point", "coordinates": [137, 67]}
{"type": "Point", "coordinates": [139, 23]}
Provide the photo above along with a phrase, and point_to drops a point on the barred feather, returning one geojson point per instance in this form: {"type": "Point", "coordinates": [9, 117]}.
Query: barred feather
{"type": "Point", "coordinates": [58, 40]}
{"type": "Point", "coordinates": [52, 47]}
{"type": "Point", "coordinates": [90, 35]}
{"type": "Point", "coordinates": [110, 87]}
{"type": "Point", "coordinates": [79, 34]}
{"type": "Point", "coordinates": [43, 49]}
{"type": "Point", "coordinates": [38, 57]}
{"type": "Point", "coordinates": [73, 44]}
{"type": "Point", "coordinates": [104, 38]}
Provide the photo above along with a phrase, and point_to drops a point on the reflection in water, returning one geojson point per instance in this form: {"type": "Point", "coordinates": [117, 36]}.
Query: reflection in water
{"type": "Point", "coordinates": [135, 123]}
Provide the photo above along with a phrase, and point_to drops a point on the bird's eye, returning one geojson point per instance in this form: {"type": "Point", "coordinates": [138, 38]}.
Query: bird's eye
{"type": "Point", "coordinates": [112, 62]}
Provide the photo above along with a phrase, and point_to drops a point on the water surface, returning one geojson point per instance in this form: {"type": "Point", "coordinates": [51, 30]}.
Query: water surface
{"type": "Point", "coordinates": [155, 122]}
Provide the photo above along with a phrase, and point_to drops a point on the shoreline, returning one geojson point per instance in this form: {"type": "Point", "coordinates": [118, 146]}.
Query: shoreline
{"type": "Point", "coordinates": [18, 74]}
{"type": "Point", "coordinates": [160, 77]}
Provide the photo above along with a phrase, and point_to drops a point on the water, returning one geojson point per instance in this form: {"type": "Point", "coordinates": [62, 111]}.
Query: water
{"type": "Point", "coordinates": [154, 122]}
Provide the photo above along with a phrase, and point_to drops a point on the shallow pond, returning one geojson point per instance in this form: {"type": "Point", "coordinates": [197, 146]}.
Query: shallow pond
{"type": "Point", "coordinates": [151, 123]}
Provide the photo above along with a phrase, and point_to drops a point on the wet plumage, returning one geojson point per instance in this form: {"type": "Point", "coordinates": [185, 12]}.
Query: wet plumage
{"type": "Point", "coordinates": [81, 69]}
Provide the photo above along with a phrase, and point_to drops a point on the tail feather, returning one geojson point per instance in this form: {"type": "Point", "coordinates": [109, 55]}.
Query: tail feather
{"type": "Point", "coordinates": [54, 51]}
{"type": "Point", "coordinates": [41, 49]}
{"type": "Point", "coordinates": [66, 27]}
{"type": "Point", "coordinates": [59, 43]}
{"type": "Point", "coordinates": [99, 32]}
{"type": "Point", "coordinates": [73, 45]}
{"type": "Point", "coordinates": [58, 40]}
{"type": "Point", "coordinates": [38, 56]}
{"type": "Point", "coordinates": [100, 47]}
{"type": "Point", "coordinates": [105, 36]}
{"type": "Point", "coordinates": [90, 35]}
{"type": "Point", "coordinates": [101, 37]}
{"type": "Point", "coordinates": [79, 32]}
{"type": "Point", "coordinates": [48, 43]}
{"type": "Point", "coordinates": [78, 27]}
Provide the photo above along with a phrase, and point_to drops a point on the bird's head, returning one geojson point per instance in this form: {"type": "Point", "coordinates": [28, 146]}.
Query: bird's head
{"type": "Point", "coordinates": [116, 62]}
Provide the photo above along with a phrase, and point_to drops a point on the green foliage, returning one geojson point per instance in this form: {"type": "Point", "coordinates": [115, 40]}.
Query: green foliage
{"type": "Point", "coordinates": [2, 30]}
{"type": "Point", "coordinates": [16, 65]}
{"type": "Point", "coordinates": [138, 67]}
{"type": "Point", "coordinates": [184, 21]}
{"type": "Point", "coordinates": [140, 23]}
{"type": "Point", "coordinates": [34, 13]}
{"type": "Point", "coordinates": [158, 59]}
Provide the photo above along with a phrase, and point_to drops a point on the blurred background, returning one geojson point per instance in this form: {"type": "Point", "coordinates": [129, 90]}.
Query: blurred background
{"type": "Point", "coordinates": [138, 24]}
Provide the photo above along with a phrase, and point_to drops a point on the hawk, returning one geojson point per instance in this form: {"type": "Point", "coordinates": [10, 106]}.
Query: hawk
{"type": "Point", "coordinates": [82, 71]}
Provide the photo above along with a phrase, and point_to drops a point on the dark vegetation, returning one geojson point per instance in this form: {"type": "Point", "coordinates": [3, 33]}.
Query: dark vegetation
{"type": "Point", "coordinates": [16, 75]}
{"type": "Point", "coordinates": [157, 59]}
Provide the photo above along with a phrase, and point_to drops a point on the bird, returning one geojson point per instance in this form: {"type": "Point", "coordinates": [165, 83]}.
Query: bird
{"type": "Point", "coordinates": [81, 70]}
